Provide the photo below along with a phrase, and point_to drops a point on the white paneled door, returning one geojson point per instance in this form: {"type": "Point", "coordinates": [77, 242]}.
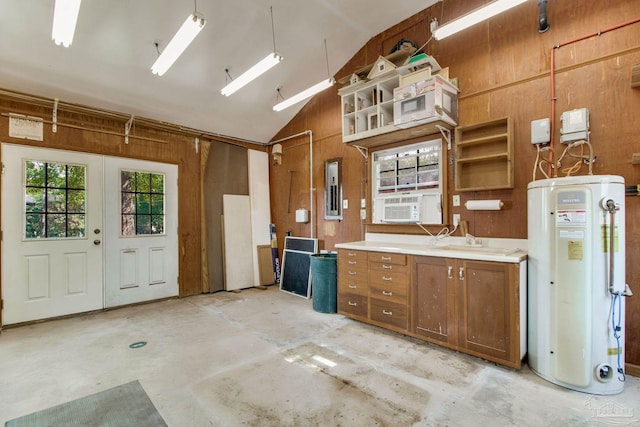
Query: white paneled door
{"type": "Point", "coordinates": [52, 262]}
{"type": "Point", "coordinates": [82, 232]}
{"type": "Point", "coordinates": [141, 231]}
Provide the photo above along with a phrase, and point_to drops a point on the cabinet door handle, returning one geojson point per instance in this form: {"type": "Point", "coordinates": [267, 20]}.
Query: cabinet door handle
{"type": "Point", "coordinates": [386, 258]}
{"type": "Point", "coordinates": [352, 286]}
{"type": "Point", "coordinates": [449, 272]}
{"type": "Point", "coordinates": [353, 304]}
{"type": "Point", "coordinates": [387, 294]}
{"type": "Point", "coordinates": [353, 262]}
{"type": "Point", "coordinates": [388, 279]}
{"type": "Point", "coordinates": [461, 273]}
{"type": "Point", "coordinates": [352, 273]}
{"type": "Point", "coordinates": [387, 267]}
{"type": "Point", "coordinates": [388, 313]}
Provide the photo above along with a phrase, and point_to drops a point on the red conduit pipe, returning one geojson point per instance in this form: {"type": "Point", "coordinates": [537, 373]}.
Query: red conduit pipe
{"type": "Point", "coordinates": [553, 80]}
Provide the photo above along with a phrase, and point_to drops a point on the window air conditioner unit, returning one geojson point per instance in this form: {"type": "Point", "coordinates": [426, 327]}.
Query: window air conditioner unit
{"type": "Point", "coordinates": [402, 209]}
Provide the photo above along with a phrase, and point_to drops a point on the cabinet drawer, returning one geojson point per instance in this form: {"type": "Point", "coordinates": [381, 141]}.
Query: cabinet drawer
{"type": "Point", "coordinates": [389, 278]}
{"type": "Point", "coordinates": [352, 265]}
{"type": "Point", "coordinates": [353, 274]}
{"type": "Point", "coordinates": [353, 304]}
{"type": "Point", "coordinates": [350, 285]}
{"type": "Point", "coordinates": [346, 254]}
{"type": "Point", "coordinates": [391, 313]}
{"type": "Point", "coordinates": [388, 258]}
{"type": "Point", "coordinates": [387, 267]}
{"type": "Point", "coordinates": [396, 292]}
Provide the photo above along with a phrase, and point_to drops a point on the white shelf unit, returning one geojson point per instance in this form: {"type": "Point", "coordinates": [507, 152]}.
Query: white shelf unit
{"type": "Point", "coordinates": [367, 108]}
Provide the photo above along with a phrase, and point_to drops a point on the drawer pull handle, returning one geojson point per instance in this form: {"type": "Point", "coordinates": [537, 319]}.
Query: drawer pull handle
{"type": "Point", "coordinates": [388, 279]}
{"type": "Point", "coordinates": [386, 258]}
{"type": "Point", "coordinates": [352, 262]}
{"type": "Point", "coordinates": [387, 267]}
{"type": "Point", "coordinates": [352, 273]}
{"type": "Point", "coordinates": [351, 254]}
{"type": "Point", "coordinates": [387, 294]}
{"type": "Point", "coordinates": [352, 286]}
{"type": "Point", "coordinates": [388, 313]}
{"type": "Point", "coordinates": [353, 304]}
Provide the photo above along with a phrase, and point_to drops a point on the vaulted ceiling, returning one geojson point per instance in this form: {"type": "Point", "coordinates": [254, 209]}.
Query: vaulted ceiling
{"type": "Point", "coordinates": [108, 64]}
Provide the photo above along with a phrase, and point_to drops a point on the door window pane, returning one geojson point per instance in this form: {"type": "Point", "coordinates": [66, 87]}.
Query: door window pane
{"type": "Point", "coordinates": [142, 208]}
{"type": "Point", "coordinates": [54, 200]}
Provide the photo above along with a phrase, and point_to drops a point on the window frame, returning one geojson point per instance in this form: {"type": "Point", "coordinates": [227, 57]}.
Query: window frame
{"type": "Point", "coordinates": [150, 193]}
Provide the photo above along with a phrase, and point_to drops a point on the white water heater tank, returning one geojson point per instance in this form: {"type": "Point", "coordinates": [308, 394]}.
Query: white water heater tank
{"type": "Point", "coordinates": [576, 282]}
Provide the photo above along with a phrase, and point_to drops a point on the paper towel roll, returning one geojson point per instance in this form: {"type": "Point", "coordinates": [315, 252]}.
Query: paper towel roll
{"type": "Point", "coordinates": [483, 205]}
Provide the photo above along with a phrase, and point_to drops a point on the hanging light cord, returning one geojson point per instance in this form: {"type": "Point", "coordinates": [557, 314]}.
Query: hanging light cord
{"type": "Point", "coordinates": [273, 30]}
{"type": "Point", "coordinates": [326, 55]}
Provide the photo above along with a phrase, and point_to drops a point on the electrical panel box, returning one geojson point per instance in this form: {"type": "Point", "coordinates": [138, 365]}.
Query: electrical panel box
{"type": "Point", "coordinates": [575, 125]}
{"type": "Point", "coordinates": [541, 131]}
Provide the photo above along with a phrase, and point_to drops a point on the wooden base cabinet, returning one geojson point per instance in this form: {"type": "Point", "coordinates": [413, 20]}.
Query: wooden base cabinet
{"type": "Point", "coordinates": [374, 287]}
{"type": "Point", "coordinates": [470, 306]}
{"type": "Point", "coordinates": [466, 305]}
{"type": "Point", "coordinates": [353, 284]}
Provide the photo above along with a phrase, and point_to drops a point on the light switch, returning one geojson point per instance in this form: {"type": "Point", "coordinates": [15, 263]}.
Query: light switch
{"type": "Point", "coordinates": [456, 200]}
{"type": "Point", "coordinates": [345, 204]}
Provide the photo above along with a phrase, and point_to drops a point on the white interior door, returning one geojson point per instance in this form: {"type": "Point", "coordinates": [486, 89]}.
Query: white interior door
{"type": "Point", "coordinates": [141, 231]}
{"type": "Point", "coordinates": [52, 238]}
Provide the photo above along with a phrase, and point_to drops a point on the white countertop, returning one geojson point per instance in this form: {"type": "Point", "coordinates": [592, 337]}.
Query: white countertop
{"type": "Point", "coordinates": [492, 249]}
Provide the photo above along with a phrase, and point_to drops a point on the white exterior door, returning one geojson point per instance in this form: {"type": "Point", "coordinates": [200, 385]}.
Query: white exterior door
{"type": "Point", "coordinates": [52, 261]}
{"type": "Point", "coordinates": [141, 231]}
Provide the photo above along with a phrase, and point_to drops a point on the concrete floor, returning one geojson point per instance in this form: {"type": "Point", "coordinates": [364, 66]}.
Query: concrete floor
{"type": "Point", "coordinates": [265, 358]}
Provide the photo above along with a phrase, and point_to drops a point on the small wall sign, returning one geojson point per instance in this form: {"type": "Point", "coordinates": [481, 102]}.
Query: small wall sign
{"type": "Point", "coordinates": [25, 127]}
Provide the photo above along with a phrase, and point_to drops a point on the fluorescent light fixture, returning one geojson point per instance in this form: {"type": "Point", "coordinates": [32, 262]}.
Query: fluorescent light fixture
{"type": "Point", "coordinates": [474, 17]}
{"type": "Point", "coordinates": [319, 87]}
{"type": "Point", "coordinates": [65, 16]}
{"type": "Point", "coordinates": [252, 73]}
{"type": "Point", "coordinates": [178, 43]}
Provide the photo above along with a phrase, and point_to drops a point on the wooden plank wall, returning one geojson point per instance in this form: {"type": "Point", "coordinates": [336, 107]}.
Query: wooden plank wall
{"type": "Point", "coordinates": [503, 67]}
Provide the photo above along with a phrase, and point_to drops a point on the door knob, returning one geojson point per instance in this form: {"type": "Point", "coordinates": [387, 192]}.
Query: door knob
{"type": "Point", "coordinates": [96, 242]}
{"type": "Point", "coordinates": [96, 231]}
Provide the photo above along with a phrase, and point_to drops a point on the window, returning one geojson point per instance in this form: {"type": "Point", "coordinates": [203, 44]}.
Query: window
{"type": "Point", "coordinates": [54, 201]}
{"type": "Point", "coordinates": [142, 196]}
{"type": "Point", "coordinates": [412, 168]}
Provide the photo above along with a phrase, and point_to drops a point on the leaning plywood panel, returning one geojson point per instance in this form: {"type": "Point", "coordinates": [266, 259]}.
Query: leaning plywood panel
{"type": "Point", "coordinates": [258, 162]}
{"type": "Point", "coordinates": [238, 246]}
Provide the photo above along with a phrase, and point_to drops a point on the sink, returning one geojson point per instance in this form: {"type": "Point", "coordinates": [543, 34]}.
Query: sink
{"type": "Point", "coordinates": [479, 249]}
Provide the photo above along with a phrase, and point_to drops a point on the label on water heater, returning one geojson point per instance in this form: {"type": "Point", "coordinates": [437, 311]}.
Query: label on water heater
{"type": "Point", "coordinates": [567, 217]}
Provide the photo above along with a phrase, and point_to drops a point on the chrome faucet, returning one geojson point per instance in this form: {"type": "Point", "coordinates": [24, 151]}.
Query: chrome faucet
{"type": "Point", "coordinates": [472, 240]}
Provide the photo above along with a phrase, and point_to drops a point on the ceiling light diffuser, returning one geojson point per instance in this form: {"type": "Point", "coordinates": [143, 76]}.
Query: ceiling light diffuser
{"type": "Point", "coordinates": [252, 73]}
{"type": "Point", "coordinates": [185, 35]}
{"type": "Point", "coordinates": [319, 87]}
{"type": "Point", "coordinates": [65, 16]}
{"type": "Point", "coordinates": [474, 17]}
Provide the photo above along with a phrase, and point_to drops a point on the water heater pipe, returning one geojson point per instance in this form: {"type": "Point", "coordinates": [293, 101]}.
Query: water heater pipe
{"type": "Point", "coordinates": [611, 208]}
{"type": "Point", "coordinates": [552, 73]}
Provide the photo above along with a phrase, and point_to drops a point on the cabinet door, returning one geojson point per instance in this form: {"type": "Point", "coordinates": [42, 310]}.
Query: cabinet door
{"type": "Point", "coordinates": [488, 308]}
{"type": "Point", "coordinates": [433, 299]}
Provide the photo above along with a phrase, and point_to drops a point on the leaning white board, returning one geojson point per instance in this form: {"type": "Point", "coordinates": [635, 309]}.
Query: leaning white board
{"type": "Point", "coordinates": [260, 205]}
{"type": "Point", "coordinates": [238, 245]}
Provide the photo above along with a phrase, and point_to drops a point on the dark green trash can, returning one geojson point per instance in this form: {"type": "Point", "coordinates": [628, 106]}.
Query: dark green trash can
{"type": "Point", "coordinates": [324, 286]}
